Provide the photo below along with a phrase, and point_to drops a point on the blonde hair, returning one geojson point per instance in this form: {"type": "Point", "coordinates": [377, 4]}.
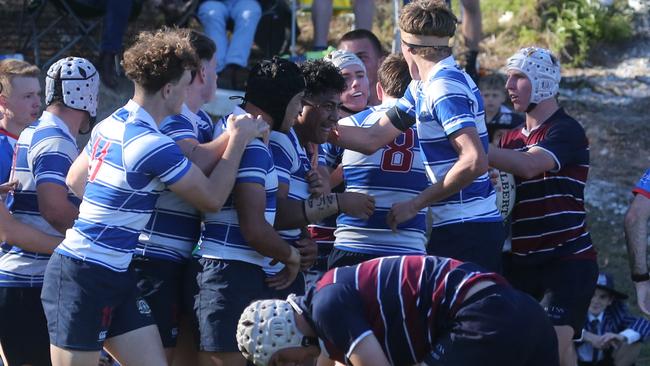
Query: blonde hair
{"type": "Point", "coordinates": [10, 69]}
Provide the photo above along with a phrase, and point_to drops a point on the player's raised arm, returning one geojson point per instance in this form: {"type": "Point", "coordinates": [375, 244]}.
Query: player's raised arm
{"type": "Point", "coordinates": [369, 140]}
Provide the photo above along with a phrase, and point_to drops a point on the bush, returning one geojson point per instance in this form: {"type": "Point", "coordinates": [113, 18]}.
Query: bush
{"type": "Point", "coordinates": [571, 28]}
{"type": "Point", "coordinates": [578, 25]}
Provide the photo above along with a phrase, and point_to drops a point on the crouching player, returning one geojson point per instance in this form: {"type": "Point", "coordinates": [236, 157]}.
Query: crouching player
{"type": "Point", "coordinates": [402, 311]}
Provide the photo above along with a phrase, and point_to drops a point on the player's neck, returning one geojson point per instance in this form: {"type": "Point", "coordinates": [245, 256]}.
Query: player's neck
{"type": "Point", "coordinates": [11, 126]}
{"type": "Point", "coordinates": [152, 103]}
{"type": "Point", "coordinates": [424, 67]}
{"type": "Point", "coordinates": [194, 101]}
{"type": "Point", "coordinates": [541, 113]}
{"type": "Point", "coordinates": [71, 117]}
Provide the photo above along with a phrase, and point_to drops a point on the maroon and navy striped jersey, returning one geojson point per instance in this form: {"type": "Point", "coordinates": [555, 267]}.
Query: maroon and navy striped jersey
{"type": "Point", "coordinates": [548, 219]}
{"type": "Point", "coordinates": [403, 301]}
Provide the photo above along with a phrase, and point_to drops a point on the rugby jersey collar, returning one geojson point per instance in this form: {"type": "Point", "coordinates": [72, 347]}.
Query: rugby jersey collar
{"type": "Point", "coordinates": [558, 113]}
{"type": "Point", "coordinates": [445, 63]}
{"type": "Point", "coordinates": [8, 134]}
{"type": "Point", "coordinates": [185, 111]}
{"type": "Point", "coordinates": [51, 118]}
{"type": "Point", "coordinates": [137, 112]}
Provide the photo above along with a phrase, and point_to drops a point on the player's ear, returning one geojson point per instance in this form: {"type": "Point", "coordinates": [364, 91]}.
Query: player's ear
{"type": "Point", "coordinates": [166, 90]}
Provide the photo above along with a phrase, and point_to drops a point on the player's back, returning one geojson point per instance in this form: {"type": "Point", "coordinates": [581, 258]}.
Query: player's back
{"type": "Point", "coordinates": [130, 163]}
{"type": "Point", "coordinates": [394, 173]}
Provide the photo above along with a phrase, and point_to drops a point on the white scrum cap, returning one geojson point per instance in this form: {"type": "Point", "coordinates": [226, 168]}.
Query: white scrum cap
{"type": "Point", "coordinates": [541, 68]}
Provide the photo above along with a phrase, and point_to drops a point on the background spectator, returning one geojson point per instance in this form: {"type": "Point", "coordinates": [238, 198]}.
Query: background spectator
{"type": "Point", "coordinates": [611, 335]}
{"type": "Point", "coordinates": [321, 15]}
{"type": "Point", "coordinates": [498, 117]}
{"type": "Point", "coordinates": [232, 55]}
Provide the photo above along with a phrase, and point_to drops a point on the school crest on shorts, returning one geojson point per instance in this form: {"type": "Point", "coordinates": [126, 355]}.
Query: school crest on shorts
{"type": "Point", "coordinates": [143, 307]}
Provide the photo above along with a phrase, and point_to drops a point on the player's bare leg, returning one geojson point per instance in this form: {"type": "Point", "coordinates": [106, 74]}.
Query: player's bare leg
{"type": "Point", "coordinates": [137, 347]}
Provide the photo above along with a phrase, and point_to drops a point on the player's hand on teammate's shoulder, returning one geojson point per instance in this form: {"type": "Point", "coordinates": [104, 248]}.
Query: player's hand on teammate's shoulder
{"type": "Point", "coordinates": [246, 127]}
{"type": "Point", "coordinates": [359, 205]}
{"type": "Point", "coordinates": [400, 212]}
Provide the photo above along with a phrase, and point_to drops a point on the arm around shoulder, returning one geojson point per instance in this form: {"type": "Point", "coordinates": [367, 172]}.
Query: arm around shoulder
{"type": "Point", "coordinates": [366, 140]}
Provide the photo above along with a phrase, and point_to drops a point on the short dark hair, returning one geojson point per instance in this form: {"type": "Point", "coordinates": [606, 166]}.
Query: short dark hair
{"type": "Point", "coordinates": [394, 76]}
{"type": "Point", "coordinates": [493, 80]}
{"type": "Point", "coordinates": [160, 57]}
{"type": "Point", "coordinates": [322, 76]}
{"type": "Point", "coordinates": [272, 83]}
{"type": "Point", "coordinates": [364, 34]}
{"type": "Point", "coordinates": [203, 45]}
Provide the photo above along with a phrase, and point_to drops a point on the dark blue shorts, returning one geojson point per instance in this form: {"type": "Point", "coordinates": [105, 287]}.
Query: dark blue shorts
{"type": "Point", "coordinates": [476, 242]}
{"type": "Point", "coordinates": [86, 303]}
{"type": "Point", "coordinates": [23, 328]}
{"type": "Point", "coordinates": [161, 284]}
{"type": "Point", "coordinates": [342, 258]}
{"type": "Point", "coordinates": [564, 287]}
{"type": "Point", "coordinates": [220, 291]}
{"type": "Point", "coordinates": [496, 326]}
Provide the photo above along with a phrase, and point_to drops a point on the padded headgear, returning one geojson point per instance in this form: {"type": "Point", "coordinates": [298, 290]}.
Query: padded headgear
{"type": "Point", "coordinates": [343, 59]}
{"type": "Point", "coordinates": [541, 68]}
{"type": "Point", "coordinates": [267, 326]}
{"type": "Point", "coordinates": [75, 81]}
{"type": "Point", "coordinates": [271, 85]}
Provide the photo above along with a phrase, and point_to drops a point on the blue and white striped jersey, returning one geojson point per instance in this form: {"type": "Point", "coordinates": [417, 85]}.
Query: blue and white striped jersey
{"type": "Point", "coordinates": [443, 103]}
{"type": "Point", "coordinates": [175, 225]}
{"type": "Point", "coordinates": [392, 174]}
{"type": "Point", "coordinates": [292, 164]}
{"type": "Point", "coordinates": [44, 153]}
{"type": "Point", "coordinates": [130, 164]}
{"type": "Point", "coordinates": [221, 237]}
{"type": "Point", "coordinates": [7, 144]}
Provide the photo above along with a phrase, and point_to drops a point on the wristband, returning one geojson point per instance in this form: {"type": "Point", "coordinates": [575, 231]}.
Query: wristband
{"type": "Point", "coordinates": [318, 208]}
{"type": "Point", "coordinates": [640, 277]}
{"type": "Point", "coordinates": [400, 119]}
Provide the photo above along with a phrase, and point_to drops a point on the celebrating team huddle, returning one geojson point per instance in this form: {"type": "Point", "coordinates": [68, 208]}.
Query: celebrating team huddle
{"type": "Point", "coordinates": [171, 238]}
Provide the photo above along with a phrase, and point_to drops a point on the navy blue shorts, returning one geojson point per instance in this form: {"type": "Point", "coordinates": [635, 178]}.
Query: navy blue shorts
{"type": "Point", "coordinates": [86, 303]}
{"type": "Point", "coordinates": [564, 287]}
{"type": "Point", "coordinates": [220, 291]}
{"type": "Point", "coordinates": [161, 284]}
{"type": "Point", "coordinates": [496, 326]}
{"type": "Point", "coordinates": [476, 242]}
{"type": "Point", "coordinates": [342, 258]}
{"type": "Point", "coordinates": [23, 328]}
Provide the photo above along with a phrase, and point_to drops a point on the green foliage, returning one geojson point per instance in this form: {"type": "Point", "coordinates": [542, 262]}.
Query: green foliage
{"type": "Point", "coordinates": [577, 25]}
{"type": "Point", "coordinates": [571, 28]}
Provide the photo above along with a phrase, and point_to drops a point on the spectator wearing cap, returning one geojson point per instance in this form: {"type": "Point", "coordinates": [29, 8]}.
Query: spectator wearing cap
{"type": "Point", "coordinates": [498, 117]}
{"type": "Point", "coordinates": [611, 336]}
{"type": "Point", "coordinates": [355, 97]}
